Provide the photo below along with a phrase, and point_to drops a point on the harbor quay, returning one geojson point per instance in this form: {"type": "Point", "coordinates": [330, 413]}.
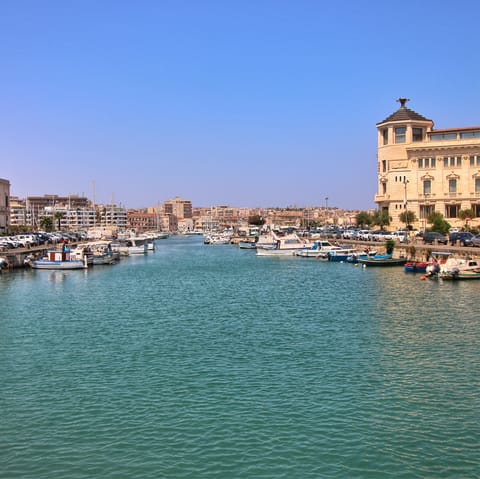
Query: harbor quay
{"type": "Point", "coordinates": [415, 250]}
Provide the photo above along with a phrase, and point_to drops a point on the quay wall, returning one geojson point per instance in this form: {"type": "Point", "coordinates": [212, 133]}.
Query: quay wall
{"type": "Point", "coordinates": [422, 251]}
{"type": "Point", "coordinates": [16, 258]}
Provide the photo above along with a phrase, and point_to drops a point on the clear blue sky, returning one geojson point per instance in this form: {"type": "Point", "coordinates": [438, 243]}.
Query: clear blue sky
{"type": "Point", "coordinates": [241, 103]}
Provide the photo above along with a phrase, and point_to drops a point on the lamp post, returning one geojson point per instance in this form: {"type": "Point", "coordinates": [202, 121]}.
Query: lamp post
{"type": "Point", "coordinates": [405, 202]}
{"type": "Point", "coordinates": [326, 210]}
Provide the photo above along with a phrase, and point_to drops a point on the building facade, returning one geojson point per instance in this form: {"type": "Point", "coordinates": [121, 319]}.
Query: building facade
{"type": "Point", "coordinates": [178, 207]}
{"type": "Point", "coordinates": [4, 205]}
{"type": "Point", "coordinates": [424, 170]}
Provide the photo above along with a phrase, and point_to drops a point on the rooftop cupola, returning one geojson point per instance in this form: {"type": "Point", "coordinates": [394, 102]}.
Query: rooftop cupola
{"type": "Point", "coordinates": [404, 114]}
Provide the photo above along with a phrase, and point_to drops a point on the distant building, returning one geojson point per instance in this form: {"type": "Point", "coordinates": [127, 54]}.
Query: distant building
{"type": "Point", "coordinates": [112, 216]}
{"type": "Point", "coordinates": [141, 221]}
{"type": "Point", "coordinates": [178, 207]}
{"type": "Point", "coordinates": [4, 205]}
{"type": "Point", "coordinates": [424, 170]}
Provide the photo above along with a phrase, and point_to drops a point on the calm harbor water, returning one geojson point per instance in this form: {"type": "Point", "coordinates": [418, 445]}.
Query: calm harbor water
{"type": "Point", "coordinates": [208, 362]}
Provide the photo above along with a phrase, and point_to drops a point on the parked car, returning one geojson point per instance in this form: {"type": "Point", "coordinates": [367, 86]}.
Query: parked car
{"type": "Point", "coordinates": [464, 237]}
{"type": "Point", "coordinates": [476, 241]}
{"type": "Point", "coordinates": [400, 236]}
{"type": "Point", "coordinates": [430, 237]}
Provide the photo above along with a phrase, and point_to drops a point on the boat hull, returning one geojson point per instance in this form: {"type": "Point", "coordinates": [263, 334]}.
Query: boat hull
{"type": "Point", "coordinates": [63, 265]}
{"type": "Point", "coordinates": [382, 261]}
{"type": "Point", "coordinates": [416, 267]}
{"type": "Point", "coordinates": [460, 276]}
{"type": "Point", "coordinates": [275, 252]}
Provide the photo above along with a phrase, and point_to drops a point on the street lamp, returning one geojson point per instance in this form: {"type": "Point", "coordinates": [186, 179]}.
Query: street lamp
{"type": "Point", "coordinates": [326, 209]}
{"type": "Point", "coordinates": [405, 202]}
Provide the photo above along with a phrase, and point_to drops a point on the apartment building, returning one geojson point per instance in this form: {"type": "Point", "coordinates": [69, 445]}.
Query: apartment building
{"type": "Point", "coordinates": [424, 170]}
{"type": "Point", "coordinates": [4, 205]}
{"type": "Point", "coordinates": [178, 207]}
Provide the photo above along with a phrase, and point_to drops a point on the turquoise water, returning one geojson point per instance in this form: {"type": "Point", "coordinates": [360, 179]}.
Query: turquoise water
{"type": "Point", "coordinates": [208, 362]}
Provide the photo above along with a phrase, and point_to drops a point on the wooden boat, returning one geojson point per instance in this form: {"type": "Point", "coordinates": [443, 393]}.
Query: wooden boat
{"type": "Point", "coordinates": [247, 244]}
{"type": "Point", "coordinates": [58, 260]}
{"type": "Point", "coordinates": [382, 260]}
{"type": "Point", "coordinates": [416, 266]}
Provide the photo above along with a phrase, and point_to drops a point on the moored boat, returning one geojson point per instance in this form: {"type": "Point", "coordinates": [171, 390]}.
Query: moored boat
{"type": "Point", "coordinates": [247, 244]}
{"type": "Point", "coordinates": [341, 254]}
{"type": "Point", "coordinates": [58, 260]}
{"type": "Point", "coordinates": [460, 269]}
{"type": "Point", "coordinates": [416, 266]}
{"type": "Point", "coordinates": [318, 247]}
{"type": "Point", "coordinates": [285, 245]}
{"type": "Point", "coordinates": [382, 260]}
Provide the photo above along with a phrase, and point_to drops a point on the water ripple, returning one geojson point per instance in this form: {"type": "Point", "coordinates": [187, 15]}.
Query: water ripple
{"type": "Point", "coordinates": [201, 362]}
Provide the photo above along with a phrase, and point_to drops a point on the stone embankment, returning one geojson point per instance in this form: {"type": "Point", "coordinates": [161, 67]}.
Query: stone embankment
{"type": "Point", "coordinates": [16, 257]}
{"type": "Point", "coordinates": [417, 250]}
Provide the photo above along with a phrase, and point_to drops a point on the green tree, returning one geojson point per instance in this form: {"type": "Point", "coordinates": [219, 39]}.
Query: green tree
{"type": "Point", "coordinates": [408, 217]}
{"type": "Point", "coordinates": [364, 219]}
{"type": "Point", "coordinates": [438, 223]}
{"type": "Point", "coordinates": [466, 215]}
{"type": "Point", "coordinates": [381, 218]}
{"type": "Point", "coordinates": [389, 246]}
{"type": "Point", "coordinates": [46, 223]}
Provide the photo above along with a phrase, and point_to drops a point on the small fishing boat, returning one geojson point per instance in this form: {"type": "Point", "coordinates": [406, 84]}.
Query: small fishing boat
{"type": "Point", "coordinates": [353, 258]}
{"type": "Point", "coordinates": [341, 254]}
{"type": "Point", "coordinates": [58, 260]}
{"type": "Point", "coordinates": [318, 247]}
{"type": "Point", "coordinates": [247, 244]}
{"type": "Point", "coordinates": [460, 269]}
{"type": "Point", "coordinates": [416, 266]}
{"type": "Point", "coordinates": [382, 260]}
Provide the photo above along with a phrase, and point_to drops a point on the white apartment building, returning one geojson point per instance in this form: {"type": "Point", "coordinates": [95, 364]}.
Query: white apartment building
{"type": "Point", "coordinates": [4, 205]}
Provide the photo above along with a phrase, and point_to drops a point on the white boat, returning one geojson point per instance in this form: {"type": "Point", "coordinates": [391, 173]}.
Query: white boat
{"type": "Point", "coordinates": [103, 253]}
{"type": "Point", "coordinates": [247, 244]}
{"type": "Point", "coordinates": [224, 237]}
{"type": "Point", "coordinates": [131, 246]}
{"type": "Point", "coordinates": [454, 268]}
{"type": "Point", "coordinates": [285, 245]}
{"type": "Point", "coordinates": [56, 259]}
{"type": "Point", "coordinates": [318, 247]}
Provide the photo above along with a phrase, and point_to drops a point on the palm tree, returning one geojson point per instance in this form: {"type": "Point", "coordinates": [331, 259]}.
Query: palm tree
{"type": "Point", "coordinates": [46, 223]}
{"type": "Point", "coordinates": [58, 216]}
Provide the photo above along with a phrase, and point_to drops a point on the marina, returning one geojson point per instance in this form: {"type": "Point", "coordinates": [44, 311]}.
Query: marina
{"type": "Point", "coordinates": [199, 361]}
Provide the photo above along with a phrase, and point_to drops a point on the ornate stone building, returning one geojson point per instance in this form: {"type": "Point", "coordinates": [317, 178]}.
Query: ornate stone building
{"type": "Point", "coordinates": [424, 170]}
